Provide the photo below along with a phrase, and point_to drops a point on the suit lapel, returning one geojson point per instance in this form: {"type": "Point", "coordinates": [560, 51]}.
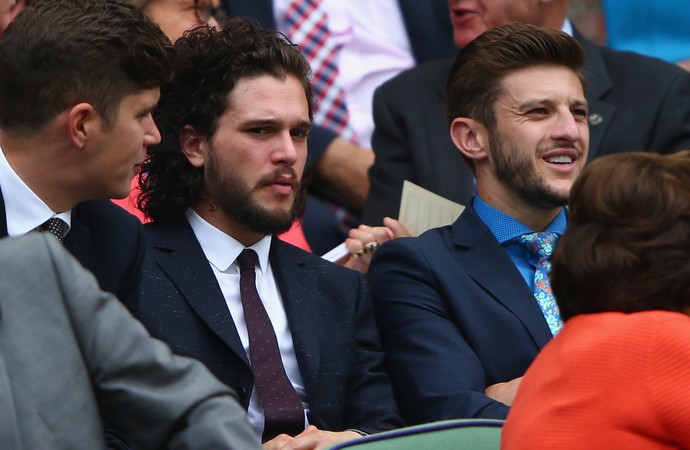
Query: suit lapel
{"type": "Point", "coordinates": [179, 255]}
{"type": "Point", "coordinates": [487, 263]}
{"type": "Point", "coordinates": [78, 239]}
{"type": "Point", "coordinates": [598, 84]}
{"type": "Point", "coordinates": [3, 217]}
{"type": "Point", "coordinates": [298, 288]}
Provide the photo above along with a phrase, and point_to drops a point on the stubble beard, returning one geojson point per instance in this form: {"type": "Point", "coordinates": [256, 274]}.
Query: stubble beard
{"type": "Point", "coordinates": [517, 172]}
{"type": "Point", "coordinates": [234, 197]}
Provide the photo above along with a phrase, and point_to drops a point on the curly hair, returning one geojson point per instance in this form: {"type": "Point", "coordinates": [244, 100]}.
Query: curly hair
{"type": "Point", "coordinates": [627, 246]}
{"type": "Point", "coordinates": [208, 64]}
{"type": "Point", "coordinates": [57, 53]}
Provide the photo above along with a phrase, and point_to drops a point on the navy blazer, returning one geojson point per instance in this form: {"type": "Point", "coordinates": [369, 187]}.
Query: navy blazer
{"type": "Point", "coordinates": [108, 241]}
{"type": "Point", "coordinates": [427, 23]}
{"type": "Point", "coordinates": [328, 311]}
{"type": "Point", "coordinates": [455, 316]}
{"type": "Point", "coordinates": [635, 103]}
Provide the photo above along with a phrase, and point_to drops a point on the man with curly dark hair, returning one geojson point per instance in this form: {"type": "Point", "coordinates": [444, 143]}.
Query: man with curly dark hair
{"type": "Point", "coordinates": [226, 179]}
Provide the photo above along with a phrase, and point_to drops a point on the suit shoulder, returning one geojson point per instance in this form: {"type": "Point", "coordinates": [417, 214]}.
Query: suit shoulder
{"type": "Point", "coordinates": [296, 254]}
{"type": "Point", "coordinates": [429, 75]}
{"type": "Point", "coordinates": [647, 68]}
{"type": "Point", "coordinates": [104, 213]}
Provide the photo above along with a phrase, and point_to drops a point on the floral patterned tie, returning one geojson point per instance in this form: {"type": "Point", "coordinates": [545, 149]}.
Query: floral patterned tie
{"type": "Point", "coordinates": [541, 244]}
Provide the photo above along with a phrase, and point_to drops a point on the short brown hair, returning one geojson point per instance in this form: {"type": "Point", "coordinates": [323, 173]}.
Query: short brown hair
{"type": "Point", "coordinates": [627, 246]}
{"type": "Point", "coordinates": [61, 52]}
{"type": "Point", "coordinates": [475, 80]}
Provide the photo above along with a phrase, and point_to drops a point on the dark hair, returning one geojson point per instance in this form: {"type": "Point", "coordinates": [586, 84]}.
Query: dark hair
{"type": "Point", "coordinates": [208, 64]}
{"type": "Point", "coordinates": [627, 246]}
{"type": "Point", "coordinates": [57, 53]}
{"type": "Point", "coordinates": [475, 79]}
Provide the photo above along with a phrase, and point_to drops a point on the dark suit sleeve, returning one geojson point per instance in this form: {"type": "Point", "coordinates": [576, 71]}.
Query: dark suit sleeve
{"type": "Point", "coordinates": [151, 396]}
{"type": "Point", "coordinates": [435, 372]}
{"type": "Point", "coordinates": [393, 163]}
{"type": "Point", "coordinates": [370, 406]}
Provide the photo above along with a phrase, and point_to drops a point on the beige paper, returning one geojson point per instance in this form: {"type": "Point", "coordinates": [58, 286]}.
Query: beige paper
{"type": "Point", "coordinates": [421, 209]}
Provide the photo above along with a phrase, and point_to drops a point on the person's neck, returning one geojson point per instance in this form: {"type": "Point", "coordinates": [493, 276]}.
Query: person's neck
{"type": "Point", "coordinates": [41, 165]}
{"type": "Point", "coordinates": [213, 214]}
{"type": "Point", "coordinates": [536, 218]}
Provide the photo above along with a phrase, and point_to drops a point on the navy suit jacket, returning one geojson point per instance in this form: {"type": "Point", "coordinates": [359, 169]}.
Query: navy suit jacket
{"type": "Point", "coordinates": [108, 241]}
{"type": "Point", "coordinates": [455, 316]}
{"type": "Point", "coordinates": [328, 311]}
{"type": "Point", "coordinates": [427, 23]}
{"type": "Point", "coordinates": [635, 103]}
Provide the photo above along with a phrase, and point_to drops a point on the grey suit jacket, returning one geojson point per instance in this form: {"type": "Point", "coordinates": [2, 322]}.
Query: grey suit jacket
{"type": "Point", "coordinates": [69, 352]}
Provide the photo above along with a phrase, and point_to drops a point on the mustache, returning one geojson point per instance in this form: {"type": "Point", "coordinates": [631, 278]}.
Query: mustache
{"type": "Point", "coordinates": [279, 173]}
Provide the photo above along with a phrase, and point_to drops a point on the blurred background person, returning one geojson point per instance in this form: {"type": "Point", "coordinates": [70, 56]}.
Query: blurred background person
{"type": "Point", "coordinates": [616, 375]}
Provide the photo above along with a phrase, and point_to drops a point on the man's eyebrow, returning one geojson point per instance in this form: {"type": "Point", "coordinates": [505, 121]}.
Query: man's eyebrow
{"type": "Point", "coordinates": [270, 122]}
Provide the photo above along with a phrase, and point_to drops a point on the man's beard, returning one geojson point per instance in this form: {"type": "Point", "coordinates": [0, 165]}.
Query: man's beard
{"type": "Point", "coordinates": [517, 172]}
{"type": "Point", "coordinates": [234, 197]}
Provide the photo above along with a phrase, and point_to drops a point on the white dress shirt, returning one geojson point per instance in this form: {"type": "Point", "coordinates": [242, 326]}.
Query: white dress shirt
{"type": "Point", "coordinates": [222, 250]}
{"type": "Point", "coordinates": [24, 210]}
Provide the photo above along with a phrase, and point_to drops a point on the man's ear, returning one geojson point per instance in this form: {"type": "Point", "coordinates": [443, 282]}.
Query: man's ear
{"type": "Point", "coordinates": [193, 146]}
{"type": "Point", "coordinates": [82, 123]}
{"type": "Point", "coordinates": [470, 137]}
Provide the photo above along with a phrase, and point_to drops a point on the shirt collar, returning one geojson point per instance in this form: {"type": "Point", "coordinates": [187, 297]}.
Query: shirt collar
{"type": "Point", "coordinates": [567, 27]}
{"type": "Point", "coordinates": [505, 227]}
{"type": "Point", "coordinates": [221, 249]}
{"type": "Point", "coordinates": [24, 210]}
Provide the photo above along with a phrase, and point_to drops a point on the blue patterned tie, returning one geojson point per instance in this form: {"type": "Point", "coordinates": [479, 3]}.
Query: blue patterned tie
{"type": "Point", "coordinates": [541, 244]}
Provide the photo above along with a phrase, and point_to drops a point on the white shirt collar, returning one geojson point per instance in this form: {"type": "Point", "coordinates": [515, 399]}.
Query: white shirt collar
{"type": "Point", "coordinates": [24, 210]}
{"type": "Point", "coordinates": [567, 27]}
{"type": "Point", "coordinates": [221, 249]}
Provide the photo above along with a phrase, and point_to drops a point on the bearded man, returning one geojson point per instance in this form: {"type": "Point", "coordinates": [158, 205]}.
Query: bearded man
{"type": "Point", "coordinates": [293, 334]}
{"type": "Point", "coordinates": [464, 309]}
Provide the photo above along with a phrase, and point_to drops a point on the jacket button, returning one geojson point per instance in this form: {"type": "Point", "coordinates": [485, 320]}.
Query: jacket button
{"type": "Point", "coordinates": [241, 393]}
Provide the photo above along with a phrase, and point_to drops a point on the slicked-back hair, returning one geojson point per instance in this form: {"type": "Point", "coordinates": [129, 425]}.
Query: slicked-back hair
{"type": "Point", "coordinates": [58, 53]}
{"type": "Point", "coordinates": [627, 246]}
{"type": "Point", "coordinates": [208, 64]}
{"type": "Point", "coordinates": [475, 80]}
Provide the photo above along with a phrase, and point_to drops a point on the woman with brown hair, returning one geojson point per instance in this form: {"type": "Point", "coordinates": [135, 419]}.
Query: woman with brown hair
{"type": "Point", "coordinates": [616, 376]}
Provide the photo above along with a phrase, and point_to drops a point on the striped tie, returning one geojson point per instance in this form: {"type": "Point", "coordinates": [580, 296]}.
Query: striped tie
{"type": "Point", "coordinates": [308, 27]}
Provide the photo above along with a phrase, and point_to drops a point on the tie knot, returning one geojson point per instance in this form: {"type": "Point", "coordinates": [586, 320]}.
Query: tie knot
{"type": "Point", "coordinates": [247, 259]}
{"type": "Point", "coordinates": [540, 244]}
{"type": "Point", "coordinates": [57, 227]}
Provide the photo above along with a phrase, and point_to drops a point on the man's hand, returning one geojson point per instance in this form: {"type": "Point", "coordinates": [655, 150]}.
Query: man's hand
{"type": "Point", "coordinates": [310, 439]}
{"type": "Point", "coordinates": [504, 392]}
{"type": "Point", "coordinates": [343, 169]}
{"type": "Point", "coordinates": [363, 241]}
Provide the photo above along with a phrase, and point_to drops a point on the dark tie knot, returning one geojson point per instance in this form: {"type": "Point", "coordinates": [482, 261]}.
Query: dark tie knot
{"type": "Point", "coordinates": [247, 259]}
{"type": "Point", "coordinates": [57, 227]}
{"type": "Point", "coordinates": [541, 244]}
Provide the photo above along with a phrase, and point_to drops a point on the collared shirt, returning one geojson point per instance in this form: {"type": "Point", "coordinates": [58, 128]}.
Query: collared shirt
{"type": "Point", "coordinates": [24, 210]}
{"type": "Point", "coordinates": [506, 228]}
{"type": "Point", "coordinates": [373, 46]}
{"type": "Point", "coordinates": [222, 250]}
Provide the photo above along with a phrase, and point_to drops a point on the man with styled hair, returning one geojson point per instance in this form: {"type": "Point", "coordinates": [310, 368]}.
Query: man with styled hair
{"type": "Point", "coordinates": [463, 309]}
{"type": "Point", "coordinates": [79, 80]}
{"type": "Point", "coordinates": [293, 334]}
